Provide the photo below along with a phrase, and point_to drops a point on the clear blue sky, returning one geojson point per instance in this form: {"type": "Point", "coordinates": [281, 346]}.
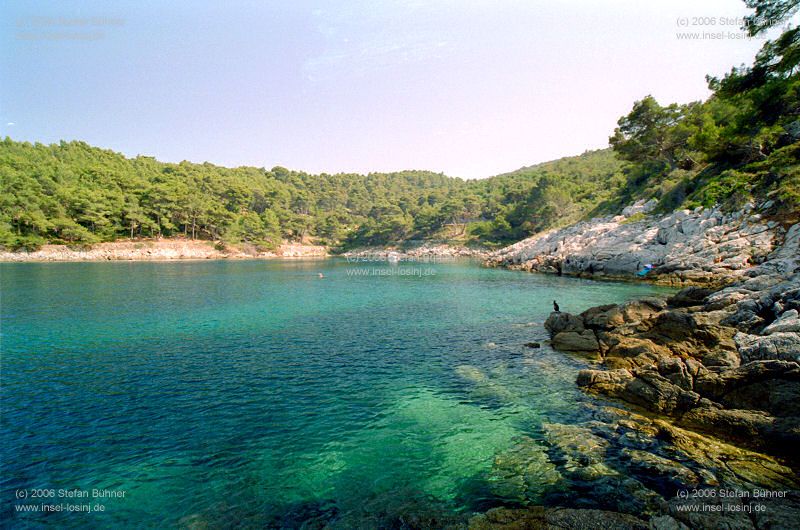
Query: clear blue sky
{"type": "Point", "coordinates": [469, 88]}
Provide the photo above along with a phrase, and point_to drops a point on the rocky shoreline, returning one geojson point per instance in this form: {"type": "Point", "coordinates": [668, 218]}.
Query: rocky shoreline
{"type": "Point", "coordinates": [186, 249]}
{"type": "Point", "coordinates": [425, 252]}
{"type": "Point", "coordinates": [688, 247]}
{"type": "Point", "coordinates": [710, 377]}
{"type": "Point", "coordinates": [724, 361]}
{"type": "Point", "coordinates": [161, 250]}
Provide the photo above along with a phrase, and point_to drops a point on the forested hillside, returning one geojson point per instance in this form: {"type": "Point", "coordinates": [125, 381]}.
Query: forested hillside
{"type": "Point", "coordinates": [557, 193]}
{"type": "Point", "coordinates": [742, 143]}
{"type": "Point", "coordinates": [78, 194]}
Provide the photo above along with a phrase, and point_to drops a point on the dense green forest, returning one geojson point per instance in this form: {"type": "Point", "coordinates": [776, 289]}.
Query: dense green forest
{"type": "Point", "coordinates": [742, 143]}
{"type": "Point", "coordinates": [77, 194]}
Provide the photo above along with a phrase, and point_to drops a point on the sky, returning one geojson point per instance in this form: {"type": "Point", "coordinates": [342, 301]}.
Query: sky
{"type": "Point", "coordinates": [470, 88]}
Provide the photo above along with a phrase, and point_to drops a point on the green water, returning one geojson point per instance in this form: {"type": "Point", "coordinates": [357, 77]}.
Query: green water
{"type": "Point", "coordinates": [255, 393]}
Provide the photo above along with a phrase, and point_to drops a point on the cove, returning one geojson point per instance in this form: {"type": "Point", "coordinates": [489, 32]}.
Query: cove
{"type": "Point", "coordinates": [257, 393]}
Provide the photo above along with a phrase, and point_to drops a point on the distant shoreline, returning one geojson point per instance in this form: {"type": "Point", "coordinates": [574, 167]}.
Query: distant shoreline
{"type": "Point", "coordinates": [160, 250]}
{"type": "Point", "coordinates": [179, 249]}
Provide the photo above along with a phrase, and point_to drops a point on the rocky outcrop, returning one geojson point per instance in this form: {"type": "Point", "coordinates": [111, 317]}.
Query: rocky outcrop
{"type": "Point", "coordinates": [711, 376]}
{"type": "Point", "coordinates": [584, 341]}
{"type": "Point", "coordinates": [785, 345]}
{"type": "Point", "coordinates": [725, 361]}
{"type": "Point", "coordinates": [425, 252]}
{"type": "Point", "coordinates": [568, 333]}
{"type": "Point", "coordinates": [687, 247]}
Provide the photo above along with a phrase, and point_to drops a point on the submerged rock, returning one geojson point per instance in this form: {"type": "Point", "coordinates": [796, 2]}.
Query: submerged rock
{"type": "Point", "coordinates": [539, 517]}
{"type": "Point", "coordinates": [471, 374]}
{"type": "Point", "coordinates": [523, 473]}
{"type": "Point", "coordinates": [406, 509]}
{"type": "Point", "coordinates": [631, 465]}
{"type": "Point", "coordinates": [307, 515]}
{"type": "Point", "coordinates": [665, 522]}
{"type": "Point", "coordinates": [688, 458]}
{"type": "Point", "coordinates": [577, 449]}
{"type": "Point", "coordinates": [669, 473]}
{"type": "Point", "coordinates": [484, 387]}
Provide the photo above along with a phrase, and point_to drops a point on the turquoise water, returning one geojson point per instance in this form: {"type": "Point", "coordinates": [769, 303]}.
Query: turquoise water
{"type": "Point", "coordinates": [255, 393]}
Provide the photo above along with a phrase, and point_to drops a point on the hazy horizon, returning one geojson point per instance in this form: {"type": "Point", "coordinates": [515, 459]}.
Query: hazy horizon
{"type": "Point", "coordinates": [469, 90]}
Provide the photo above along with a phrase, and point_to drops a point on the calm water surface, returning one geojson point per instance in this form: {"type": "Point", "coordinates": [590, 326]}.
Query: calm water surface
{"type": "Point", "coordinates": [253, 393]}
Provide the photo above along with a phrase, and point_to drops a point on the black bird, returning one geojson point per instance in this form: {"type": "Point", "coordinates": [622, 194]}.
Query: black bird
{"type": "Point", "coordinates": [555, 307]}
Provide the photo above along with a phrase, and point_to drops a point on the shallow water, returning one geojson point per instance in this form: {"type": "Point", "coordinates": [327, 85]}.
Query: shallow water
{"type": "Point", "coordinates": [257, 393]}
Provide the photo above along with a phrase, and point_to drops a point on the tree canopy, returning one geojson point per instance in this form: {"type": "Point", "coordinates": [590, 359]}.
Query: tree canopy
{"type": "Point", "coordinates": [74, 193]}
{"type": "Point", "coordinates": [741, 143]}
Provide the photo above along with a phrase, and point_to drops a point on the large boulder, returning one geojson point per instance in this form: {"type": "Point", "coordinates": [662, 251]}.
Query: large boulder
{"type": "Point", "coordinates": [695, 334]}
{"type": "Point", "coordinates": [584, 341]}
{"type": "Point", "coordinates": [668, 473]}
{"type": "Point", "coordinates": [597, 317]}
{"type": "Point", "coordinates": [680, 372]}
{"type": "Point", "coordinates": [770, 386]}
{"type": "Point", "coordinates": [626, 348]}
{"type": "Point", "coordinates": [748, 427]}
{"type": "Point", "coordinates": [645, 388]}
{"type": "Point", "coordinates": [778, 345]}
{"type": "Point", "coordinates": [690, 296]}
{"type": "Point", "coordinates": [558, 322]}
{"type": "Point", "coordinates": [789, 321]}
{"type": "Point", "coordinates": [747, 317]}
{"type": "Point", "coordinates": [674, 325]}
{"type": "Point", "coordinates": [600, 379]}
{"type": "Point", "coordinates": [656, 393]}
{"type": "Point", "coordinates": [723, 299]}
{"type": "Point", "coordinates": [609, 317]}
{"type": "Point", "coordinates": [737, 423]}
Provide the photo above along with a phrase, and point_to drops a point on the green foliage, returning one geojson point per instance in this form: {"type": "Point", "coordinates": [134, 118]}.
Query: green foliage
{"type": "Point", "coordinates": [767, 13]}
{"type": "Point", "coordinates": [635, 218]}
{"type": "Point", "coordinates": [652, 133]}
{"type": "Point", "coordinates": [544, 196]}
{"type": "Point", "coordinates": [77, 194]}
{"type": "Point", "coordinates": [731, 187]}
{"type": "Point", "coordinates": [739, 145]}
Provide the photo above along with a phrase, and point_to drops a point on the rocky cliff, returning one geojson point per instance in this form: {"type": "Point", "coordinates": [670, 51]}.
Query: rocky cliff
{"type": "Point", "coordinates": [686, 247]}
